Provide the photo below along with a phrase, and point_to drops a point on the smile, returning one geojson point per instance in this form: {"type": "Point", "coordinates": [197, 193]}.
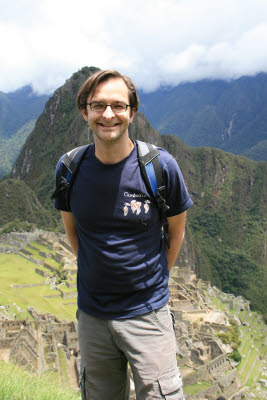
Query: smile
{"type": "Point", "coordinates": [108, 126]}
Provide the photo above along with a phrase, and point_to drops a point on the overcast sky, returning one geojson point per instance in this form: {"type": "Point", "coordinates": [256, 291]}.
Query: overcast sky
{"type": "Point", "coordinates": [155, 42]}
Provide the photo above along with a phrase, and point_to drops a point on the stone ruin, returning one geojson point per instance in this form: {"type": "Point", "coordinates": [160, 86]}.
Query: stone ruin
{"type": "Point", "coordinates": [36, 344]}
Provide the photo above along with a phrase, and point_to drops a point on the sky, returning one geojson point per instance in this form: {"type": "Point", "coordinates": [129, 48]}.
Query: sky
{"type": "Point", "coordinates": [155, 42]}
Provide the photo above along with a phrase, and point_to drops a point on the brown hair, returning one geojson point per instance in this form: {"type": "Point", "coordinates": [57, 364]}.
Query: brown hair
{"type": "Point", "coordinates": [90, 85]}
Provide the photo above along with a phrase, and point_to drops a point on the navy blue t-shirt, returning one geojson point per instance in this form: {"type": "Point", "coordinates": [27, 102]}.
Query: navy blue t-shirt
{"type": "Point", "coordinates": [122, 264]}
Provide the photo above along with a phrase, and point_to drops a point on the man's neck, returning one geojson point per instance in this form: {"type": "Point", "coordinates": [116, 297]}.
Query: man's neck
{"type": "Point", "coordinates": [113, 152]}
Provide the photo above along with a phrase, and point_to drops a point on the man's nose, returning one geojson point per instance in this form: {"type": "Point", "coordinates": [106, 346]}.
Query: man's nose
{"type": "Point", "coordinates": [108, 113]}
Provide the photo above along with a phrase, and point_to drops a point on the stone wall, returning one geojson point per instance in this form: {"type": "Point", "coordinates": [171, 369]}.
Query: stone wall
{"type": "Point", "coordinates": [29, 285]}
{"type": "Point", "coordinates": [6, 343]}
{"type": "Point", "coordinates": [216, 351]}
{"type": "Point", "coordinates": [42, 273]}
{"type": "Point", "coordinates": [216, 363]}
{"type": "Point", "coordinates": [11, 324]}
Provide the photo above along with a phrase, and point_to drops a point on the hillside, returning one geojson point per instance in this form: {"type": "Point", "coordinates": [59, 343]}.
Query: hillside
{"type": "Point", "coordinates": [19, 107]}
{"type": "Point", "coordinates": [230, 115]}
{"type": "Point", "coordinates": [226, 226]}
{"type": "Point", "coordinates": [20, 208]}
{"type": "Point", "coordinates": [19, 111]}
{"type": "Point", "coordinates": [228, 219]}
{"type": "Point", "coordinates": [10, 147]}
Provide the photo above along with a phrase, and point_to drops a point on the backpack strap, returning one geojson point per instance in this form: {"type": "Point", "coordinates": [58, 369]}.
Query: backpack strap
{"type": "Point", "coordinates": [69, 166]}
{"type": "Point", "coordinates": [151, 171]}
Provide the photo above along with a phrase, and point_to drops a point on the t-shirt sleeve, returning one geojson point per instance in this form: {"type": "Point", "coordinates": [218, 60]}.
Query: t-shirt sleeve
{"type": "Point", "coordinates": [177, 196]}
{"type": "Point", "coordinates": [60, 201]}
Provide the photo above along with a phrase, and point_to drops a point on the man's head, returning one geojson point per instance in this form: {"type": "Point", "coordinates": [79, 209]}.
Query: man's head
{"type": "Point", "coordinates": [88, 88]}
{"type": "Point", "coordinates": [108, 102]}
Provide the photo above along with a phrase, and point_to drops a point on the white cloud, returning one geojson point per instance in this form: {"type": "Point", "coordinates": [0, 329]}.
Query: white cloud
{"type": "Point", "coordinates": [156, 42]}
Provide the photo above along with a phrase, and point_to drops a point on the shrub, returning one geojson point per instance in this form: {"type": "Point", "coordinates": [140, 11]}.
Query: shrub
{"type": "Point", "coordinates": [236, 356]}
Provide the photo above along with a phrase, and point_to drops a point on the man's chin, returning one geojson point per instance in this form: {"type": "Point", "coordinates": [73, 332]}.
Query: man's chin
{"type": "Point", "coordinates": [108, 137]}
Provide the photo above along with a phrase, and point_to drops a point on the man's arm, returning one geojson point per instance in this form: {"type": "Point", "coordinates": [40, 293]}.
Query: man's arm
{"type": "Point", "coordinates": [71, 230]}
{"type": "Point", "coordinates": [176, 231]}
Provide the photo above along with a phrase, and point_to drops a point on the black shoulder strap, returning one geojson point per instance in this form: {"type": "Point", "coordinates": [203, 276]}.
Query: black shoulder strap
{"type": "Point", "coordinates": [151, 171]}
{"type": "Point", "coordinates": [68, 170]}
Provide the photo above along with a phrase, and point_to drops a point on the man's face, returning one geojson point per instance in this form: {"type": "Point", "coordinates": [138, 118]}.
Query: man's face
{"type": "Point", "coordinates": [109, 126]}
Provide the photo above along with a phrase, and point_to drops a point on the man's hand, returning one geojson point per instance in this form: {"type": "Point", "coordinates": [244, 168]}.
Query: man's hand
{"type": "Point", "coordinates": [71, 230]}
{"type": "Point", "coordinates": [176, 231]}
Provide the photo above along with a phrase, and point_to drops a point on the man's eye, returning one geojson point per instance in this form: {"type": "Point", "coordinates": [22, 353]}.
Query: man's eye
{"type": "Point", "coordinates": [99, 106]}
{"type": "Point", "coordinates": [118, 107]}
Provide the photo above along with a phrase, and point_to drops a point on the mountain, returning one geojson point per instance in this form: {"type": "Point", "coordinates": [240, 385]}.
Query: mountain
{"type": "Point", "coordinates": [19, 107]}
{"type": "Point", "coordinates": [10, 147]}
{"type": "Point", "coordinates": [230, 115]}
{"type": "Point", "coordinates": [20, 208]}
{"type": "Point", "coordinates": [226, 230]}
{"type": "Point", "coordinates": [19, 111]}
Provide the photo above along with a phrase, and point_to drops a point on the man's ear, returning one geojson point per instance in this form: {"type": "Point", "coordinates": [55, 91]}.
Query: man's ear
{"type": "Point", "coordinates": [133, 111]}
{"type": "Point", "coordinates": [84, 114]}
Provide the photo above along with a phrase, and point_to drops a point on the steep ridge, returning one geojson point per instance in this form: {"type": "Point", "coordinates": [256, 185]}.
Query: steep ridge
{"type": "Point", "coordinates": [226, 227]}
{"type": "Point", "coordinates": [20, 208]}
{"type": "Point", "coordinates": [230, 115]}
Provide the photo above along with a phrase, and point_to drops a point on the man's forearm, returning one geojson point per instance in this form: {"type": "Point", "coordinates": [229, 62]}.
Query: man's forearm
{"type": "Point", "coordinates": [73, 240]}
{"type": "Point", "coordinates": [176, 231]}
{"type": "Point", "coordinates": [173, 251]}
{"type": "Point", "coordinates": [71, 230]}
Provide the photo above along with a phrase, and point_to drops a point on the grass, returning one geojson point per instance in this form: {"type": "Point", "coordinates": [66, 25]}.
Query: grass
{"type": "Point", "coordinates": [253, 337]}
{"type": "Point", "coordinates": [52, 262]}
{"type": "Point", "coordinates": [42, 248]}
{"type": "Point", "coordinates": [250, 361]}
{"type": "Point", "coordinates": [65, 289]}
{"type": "Point", "coordinates": [16, 384]}
{"type": "Point", "coordinates": [196, 387]}
{"type": "Point", "coordinates": [17, 270]}
{"type": "Point", "coordinates": [254, 374]}
{"type": "Point", "coordinates": [34, 253]}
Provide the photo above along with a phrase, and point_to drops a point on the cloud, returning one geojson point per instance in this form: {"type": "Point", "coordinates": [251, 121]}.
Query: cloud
{"type": "Point", "coordinates": [156, 42]}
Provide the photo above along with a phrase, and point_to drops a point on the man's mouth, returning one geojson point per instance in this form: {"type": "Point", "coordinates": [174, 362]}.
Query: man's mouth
{"type": "Point", "coordinates": [107, 126]}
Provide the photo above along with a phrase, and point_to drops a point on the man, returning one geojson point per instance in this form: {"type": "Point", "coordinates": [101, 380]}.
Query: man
{"type": "Point", "coordinates": [114, 228]}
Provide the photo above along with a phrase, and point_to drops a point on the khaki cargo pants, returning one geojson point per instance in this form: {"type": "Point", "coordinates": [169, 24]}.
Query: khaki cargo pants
{"type": "Point", "coordinates": [147, 342]}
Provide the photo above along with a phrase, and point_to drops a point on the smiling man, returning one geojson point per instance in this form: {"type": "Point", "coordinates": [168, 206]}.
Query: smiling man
{"type": "Point", "coordinates": [114, 228]}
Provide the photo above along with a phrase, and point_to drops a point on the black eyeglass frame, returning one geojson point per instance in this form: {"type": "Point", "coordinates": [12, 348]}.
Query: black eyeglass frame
{"type": "Point", "coordinates": [110, 105]}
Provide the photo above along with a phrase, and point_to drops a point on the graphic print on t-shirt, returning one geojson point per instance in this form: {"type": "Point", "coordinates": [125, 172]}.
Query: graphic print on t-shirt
{"type": "Point", "coordinates": [136, 206]}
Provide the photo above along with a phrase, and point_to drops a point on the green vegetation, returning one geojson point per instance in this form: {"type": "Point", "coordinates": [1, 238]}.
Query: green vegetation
{"type": "Point", "coordinates": [20, 208]}
{"type": "Point", "coordinates": [226, 115]}
{"type": "Point", "coordinates": [17, 226]}
{"type": "Point", "coordinates": [196, 387]}
{"type": "Point", "coordinates": [17, 270]}
{"type": "Point", "coordinates": [236, 356]}
{"type": "Point", "coordinates": [16, 384]}
{"type": "Point", "coordinates": [11, 146]}
{"type": "Point", "coordinates": [18, 113]}
{"type": "Point", "coordinates": [232, 336]}
{"type": "Point", "coordinates": [227, 223]}
{"type": "Point", "coordinates": [251, 350]}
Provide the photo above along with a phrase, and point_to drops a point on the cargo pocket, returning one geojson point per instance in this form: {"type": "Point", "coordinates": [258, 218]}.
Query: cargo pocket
{"type": "Point", "coordinates": [171, 387]}
{"type": "Point", "coordinates": [82, 384]}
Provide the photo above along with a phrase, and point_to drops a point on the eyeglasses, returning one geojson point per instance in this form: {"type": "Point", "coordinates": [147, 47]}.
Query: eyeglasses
{"type": "Point", "coordinates": [101, 107]}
